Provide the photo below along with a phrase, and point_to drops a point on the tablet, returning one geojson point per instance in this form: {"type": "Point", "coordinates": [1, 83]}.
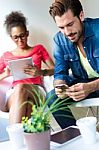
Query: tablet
{"type": "Point", "coordinates": [65, 135]}
{"type": "Point", "coordinates": [17, 68]}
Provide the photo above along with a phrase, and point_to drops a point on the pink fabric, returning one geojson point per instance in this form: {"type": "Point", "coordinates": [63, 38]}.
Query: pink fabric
{"type": "Point", "coordinates": [39, 55]}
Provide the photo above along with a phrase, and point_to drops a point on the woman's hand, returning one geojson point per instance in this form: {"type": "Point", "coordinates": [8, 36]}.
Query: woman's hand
{"type": "Point", "coordinates": [7, 72]}
{"type": "Point", "coordinates": [32, 70]}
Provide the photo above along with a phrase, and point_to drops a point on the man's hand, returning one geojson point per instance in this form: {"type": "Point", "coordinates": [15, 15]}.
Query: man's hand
{"type": "Point", "coordinates": [60, 90]}
{"type": "Point", "coordinates": [78, 91]}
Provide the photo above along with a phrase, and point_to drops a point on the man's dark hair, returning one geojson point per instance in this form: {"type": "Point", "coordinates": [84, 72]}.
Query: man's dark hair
{"type": "Point", "coordinates": [59, 7]}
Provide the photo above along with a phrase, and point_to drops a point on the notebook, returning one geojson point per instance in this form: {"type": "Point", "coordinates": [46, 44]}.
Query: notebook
{"type": "Point", "coordinates": [17, 68]}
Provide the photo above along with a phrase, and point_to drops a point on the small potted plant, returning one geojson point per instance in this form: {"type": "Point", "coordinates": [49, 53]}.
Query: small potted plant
{"type": "Point", "coordinates": [37, 127]}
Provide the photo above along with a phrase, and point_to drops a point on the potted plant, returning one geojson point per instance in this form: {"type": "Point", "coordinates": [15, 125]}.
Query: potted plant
{"type": "Point", "coordinates": [37, 127]}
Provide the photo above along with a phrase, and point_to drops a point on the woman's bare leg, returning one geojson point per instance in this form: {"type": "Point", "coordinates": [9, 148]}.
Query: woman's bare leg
{"type": "Point", "coordinates": [15, 100]}
{"type": "Point", "coordinates": [22, 93]}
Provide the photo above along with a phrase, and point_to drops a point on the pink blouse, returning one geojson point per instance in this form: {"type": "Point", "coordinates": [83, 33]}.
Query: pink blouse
{"type": "Point", "coordinates": [39, 55]}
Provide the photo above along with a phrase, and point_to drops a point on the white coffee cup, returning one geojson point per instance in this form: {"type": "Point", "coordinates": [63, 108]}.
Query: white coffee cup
{"type": "Point", "coordinates": [15, 132]}
{"type": "Point", "coordinates": [87, 127]}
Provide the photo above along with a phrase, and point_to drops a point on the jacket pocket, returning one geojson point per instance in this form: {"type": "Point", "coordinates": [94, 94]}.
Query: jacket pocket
{"type": "Point", "coordinates": [73, 62]}
{"type": "Point", "coordinates": [71, 57]}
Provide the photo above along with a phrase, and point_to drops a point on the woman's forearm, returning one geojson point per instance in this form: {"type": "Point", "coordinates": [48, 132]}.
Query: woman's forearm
{"type": "Point", "coordinates": [2, 76]}
{"type": "Point", "coordinates": [47, 72]}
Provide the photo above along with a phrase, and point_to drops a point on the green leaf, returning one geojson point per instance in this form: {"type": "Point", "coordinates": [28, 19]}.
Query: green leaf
{"type": "Point", "coordinates": [40, 115]}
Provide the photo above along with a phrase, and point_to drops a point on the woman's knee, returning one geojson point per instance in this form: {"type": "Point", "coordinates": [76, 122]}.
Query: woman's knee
{"type": "Point", "coordinates": [20, 89]}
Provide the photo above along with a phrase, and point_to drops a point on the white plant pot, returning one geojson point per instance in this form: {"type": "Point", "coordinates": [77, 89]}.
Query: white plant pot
{"type": "Point", "coordinates": [38, 141]}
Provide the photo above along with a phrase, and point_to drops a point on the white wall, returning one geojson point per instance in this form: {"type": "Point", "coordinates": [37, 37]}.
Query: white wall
{"type": "Point", "coordinates": [91, 8]}
{"type": "Point", "coordinates": [40, 24]}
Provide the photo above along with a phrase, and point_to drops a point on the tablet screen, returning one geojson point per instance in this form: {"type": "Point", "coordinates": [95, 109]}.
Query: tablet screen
{"type": "Point", "coordinates": [17, 68]}
{"type": "Point", "coordinates": [65, 135]}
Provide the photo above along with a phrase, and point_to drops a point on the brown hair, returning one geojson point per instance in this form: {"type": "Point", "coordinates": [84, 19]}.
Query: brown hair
{"type": "Point", "coordinates": [15, 18]}
{"type": "Point", "coordinates": [59, 7]}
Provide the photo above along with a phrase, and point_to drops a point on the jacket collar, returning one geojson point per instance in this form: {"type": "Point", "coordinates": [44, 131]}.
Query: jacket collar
{"type": "Point", "coordinates": [88, 32]}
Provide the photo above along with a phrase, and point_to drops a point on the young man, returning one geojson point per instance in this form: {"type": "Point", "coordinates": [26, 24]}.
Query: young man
{"type": "Point", "coordinates": [76, 49]}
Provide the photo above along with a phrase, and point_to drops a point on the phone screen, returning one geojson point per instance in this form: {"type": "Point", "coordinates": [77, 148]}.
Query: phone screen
{"type": "Point", "coordinates": [65, 135]}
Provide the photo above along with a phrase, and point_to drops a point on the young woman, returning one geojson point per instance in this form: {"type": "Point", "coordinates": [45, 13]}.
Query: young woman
{"type": "Point", "coordinates": [21, 90]}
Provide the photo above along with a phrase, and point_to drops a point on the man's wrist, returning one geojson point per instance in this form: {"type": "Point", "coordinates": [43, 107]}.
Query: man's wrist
{"type": "Point", "coordinates": [94, 85]}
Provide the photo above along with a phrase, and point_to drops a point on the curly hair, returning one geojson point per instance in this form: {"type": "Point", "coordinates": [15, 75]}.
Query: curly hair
{"type": "Point", "coordinates": [59, 7]}
{"type": "Point", "coordinates": [15, 18]}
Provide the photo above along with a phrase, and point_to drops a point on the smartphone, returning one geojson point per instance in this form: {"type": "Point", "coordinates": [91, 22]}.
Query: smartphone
{"type": "Point", "coordinates": [65, 135]}
{"type": "Point", "coordinates": [63, 87]}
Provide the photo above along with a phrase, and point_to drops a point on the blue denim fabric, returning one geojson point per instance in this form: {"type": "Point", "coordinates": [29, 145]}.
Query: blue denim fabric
{"type": "Point", "coordinates": [66, 53]}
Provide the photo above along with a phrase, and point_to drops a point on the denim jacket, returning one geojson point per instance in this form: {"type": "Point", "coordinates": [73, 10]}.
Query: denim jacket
{"type": "Point", "coordinates": [67, 57]}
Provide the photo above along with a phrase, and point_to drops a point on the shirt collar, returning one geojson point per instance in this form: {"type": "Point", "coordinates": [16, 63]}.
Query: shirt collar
{"type": "Point", "coordinates": [88, 32]}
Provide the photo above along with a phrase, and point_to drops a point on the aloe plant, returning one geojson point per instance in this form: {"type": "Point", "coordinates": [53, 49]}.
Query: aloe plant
{"type": "Point", "coordinates": [41, 114]}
